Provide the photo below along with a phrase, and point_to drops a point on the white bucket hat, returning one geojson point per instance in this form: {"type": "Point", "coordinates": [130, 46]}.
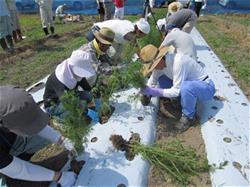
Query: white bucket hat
{"type": "Point", "coordinates": [80, 63]}
{"type": "Point", "coordinates": [143, 25]}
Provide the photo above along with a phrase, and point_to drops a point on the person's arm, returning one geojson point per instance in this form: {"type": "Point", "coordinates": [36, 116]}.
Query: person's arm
{"type": "Point", "coordinates": [23, 170]}
{"type": "Point", "coordinates": [84, 84]}
{"type": "Point", "coordinates": [55, 136]}
{"type": "Point", "coordinates": [152, 81]}
{"type": "Point", "coordinates": [204, 4]}
{"type": "Point", "coordinates": [20, 169]}
{"type": "Point", "coordinates": [168, 40]}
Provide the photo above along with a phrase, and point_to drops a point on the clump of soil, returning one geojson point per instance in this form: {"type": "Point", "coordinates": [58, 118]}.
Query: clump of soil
{"type": "Point", "coordinates": [123, 145]}
{"type": "Point", "coordinates": [105, 117]}
{"type": "Point", "coordinates": [76, 166]}
{"type": "Point", "coordinates": [145, 100]}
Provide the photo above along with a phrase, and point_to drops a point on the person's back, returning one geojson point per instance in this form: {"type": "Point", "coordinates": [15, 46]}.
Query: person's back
{"type": "Point", "coordinates": [181, 17]}
{"type": "Point", "coordinates": [120, 27]}
{"type": "Point", "coordinates": [182, 42]}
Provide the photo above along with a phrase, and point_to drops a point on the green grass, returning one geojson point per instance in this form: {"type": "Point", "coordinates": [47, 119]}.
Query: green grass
{"type": "Point", "coordinates": [29, 69]}
{"type": "Point", "coordinates": [228, 43]}
{"type": "Point", "coordinates": [43, 58]}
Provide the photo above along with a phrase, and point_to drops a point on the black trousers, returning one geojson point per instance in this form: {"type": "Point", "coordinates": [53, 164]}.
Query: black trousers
{"type": "Point", "coordinates": [197, 8]}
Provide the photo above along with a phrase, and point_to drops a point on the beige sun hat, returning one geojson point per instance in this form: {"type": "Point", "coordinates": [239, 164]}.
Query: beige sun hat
{"type": "Point", "coordinates": [174, 7]}
{"type": "Point", "coordinates": [151, 56]}
{"type": "Point", "coordinates": [105, 35]}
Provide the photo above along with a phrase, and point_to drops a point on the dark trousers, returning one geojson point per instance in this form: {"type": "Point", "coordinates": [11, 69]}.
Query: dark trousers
{"type": "Point", "coordinates": [197, 8]}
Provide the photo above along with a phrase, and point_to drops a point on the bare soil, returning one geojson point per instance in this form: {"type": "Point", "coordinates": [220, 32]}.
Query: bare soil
{"type": "Point", "coordinates": [168, 116]}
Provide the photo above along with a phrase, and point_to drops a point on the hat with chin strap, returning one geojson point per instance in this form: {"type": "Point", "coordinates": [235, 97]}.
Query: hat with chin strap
{"type": "Point", "coordinates": [151, 56]}
{"type": "Point", "coordinates": [105, 35]}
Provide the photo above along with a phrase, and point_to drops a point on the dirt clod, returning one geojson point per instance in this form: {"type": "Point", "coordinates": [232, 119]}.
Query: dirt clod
{"type": "Point", "coordinates": [104, 119]}
{"type": "Point", "coordinates": [145, 100]}
{"type": "Point", "coordinates": [76, 166]}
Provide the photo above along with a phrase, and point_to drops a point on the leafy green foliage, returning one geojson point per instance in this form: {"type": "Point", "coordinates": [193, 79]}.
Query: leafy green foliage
{"type": "Point", "coordinates": [74, 123]}
{"type": "Point", "coordinates": [173, 159]}
{"type": "Point", "coordinates": [130, 75]}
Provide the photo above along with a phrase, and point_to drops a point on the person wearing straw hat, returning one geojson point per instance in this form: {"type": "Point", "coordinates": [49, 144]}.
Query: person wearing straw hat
{"type": "Point", "coordinates": [184, 19]}
{"type": "Point", "coordinates": [79, 70]}
{"type": "Point", "coordinates": [174, 7]}
{"type": "Point", "coordinates": [180, 40]}
{"type": "Point", "coordinates": [24, 130]}
{"type": "Point", "coordinates": [125, 31]}
{"type": "Point", "coordinates": [178, 75]}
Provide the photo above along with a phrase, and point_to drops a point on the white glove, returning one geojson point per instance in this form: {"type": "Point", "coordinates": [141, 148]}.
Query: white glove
{"type": "Point", "coordinates": [204, 7]}
{"type": "Point", "coordinates": [67, 179]}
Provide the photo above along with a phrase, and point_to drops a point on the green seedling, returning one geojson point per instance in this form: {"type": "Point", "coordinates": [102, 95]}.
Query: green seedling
{"type": "Point", "coordinates": [75, 126]}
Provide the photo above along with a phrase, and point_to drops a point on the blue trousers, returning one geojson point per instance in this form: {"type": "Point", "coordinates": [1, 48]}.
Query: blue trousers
{"type": "Point", "coordinates": [191, 92]}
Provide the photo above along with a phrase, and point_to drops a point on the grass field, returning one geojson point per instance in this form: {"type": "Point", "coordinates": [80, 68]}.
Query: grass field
{"type": "Point", "coordinates": [36, 57]}
{"type": "Point", "coordinates": [228, 35]}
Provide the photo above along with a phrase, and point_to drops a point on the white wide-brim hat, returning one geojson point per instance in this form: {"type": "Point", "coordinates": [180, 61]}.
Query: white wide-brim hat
{"type": "Point", "coordinates": [80, 63]}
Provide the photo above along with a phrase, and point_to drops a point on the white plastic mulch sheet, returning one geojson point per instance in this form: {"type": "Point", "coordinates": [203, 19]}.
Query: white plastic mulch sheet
{"type": "Point", "coordinates": [106, 166]}
{"type": "Point", "coordinates": [225, 124]}
{"type": "Point", "coordinates": [225, 130]}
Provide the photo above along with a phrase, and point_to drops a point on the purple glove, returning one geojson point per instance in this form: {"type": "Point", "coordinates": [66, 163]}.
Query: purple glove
{"type": "Point", "coordinates": [154, 92]}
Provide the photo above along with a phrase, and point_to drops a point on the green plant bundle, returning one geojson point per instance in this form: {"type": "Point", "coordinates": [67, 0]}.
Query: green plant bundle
{"type": "Point", "coordinates": [172, 158]}
{"type": "Point", "coordinates": [74, 124]}
{"type": "Point", "coordinates": [134, 76]}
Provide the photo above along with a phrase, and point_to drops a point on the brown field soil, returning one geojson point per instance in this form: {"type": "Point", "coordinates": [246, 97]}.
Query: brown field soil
{"type": "Point", "coordinates": [168, 116]}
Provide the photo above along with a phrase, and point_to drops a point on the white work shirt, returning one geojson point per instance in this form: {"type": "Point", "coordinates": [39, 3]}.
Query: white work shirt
{"type": "Point", "coordinates": [44, 3]}
{"type": "Point", "coordinates": [182, 42]}
{"type": "Point", "coordinates": [119, 27]}
{"type": "Point", "coordinates": [11, 5]}
{"type": "Point", "coordinates": [3, 8]}
{"type": "Point", "coordinates": [179, 68]}
{"type": "Point", "coordinates": [59, 10]}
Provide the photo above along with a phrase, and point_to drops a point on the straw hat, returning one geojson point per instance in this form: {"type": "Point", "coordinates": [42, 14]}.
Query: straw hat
{"type": "Point", "coordinates": [174, 7]}
{"type": "Point", "coordinates": [105, 35]}
{"type": "Point", "coordinates": [151, 56]}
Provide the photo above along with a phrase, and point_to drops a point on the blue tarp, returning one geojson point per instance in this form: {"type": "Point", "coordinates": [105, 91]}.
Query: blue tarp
{"type": "Point", "coordinates": [89, 7]}
{"type": "Point", "coordinates": [79, 6]}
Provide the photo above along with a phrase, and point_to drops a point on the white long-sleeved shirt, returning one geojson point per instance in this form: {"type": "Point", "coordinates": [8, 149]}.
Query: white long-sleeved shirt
{"type": "Point", "coordinates": [120, 27]}
{"type": "Point", "coordinates": [182, 42]}
{"type": "Point", "coordinates": [179, 68]}
{"type": "Point", "coordinates": [44, 3]}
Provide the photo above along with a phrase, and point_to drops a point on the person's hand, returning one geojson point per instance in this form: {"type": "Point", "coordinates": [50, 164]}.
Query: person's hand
{"type": "Point", "coordinates": [93, 115]}
{"type": "Point", "coordinates": [67, 179]}
{"type": "Point", "coordinates": [154, 92]}
{"type": "Point", "coordinates": [97, 104]}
